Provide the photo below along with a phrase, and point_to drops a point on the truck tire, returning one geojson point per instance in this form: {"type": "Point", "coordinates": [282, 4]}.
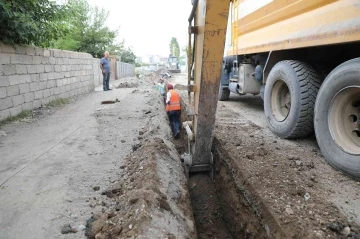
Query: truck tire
{"type": "Point", "coordinates": [224, 93]}
{"type": "Point", "coordinates": [289, 99]}
{"type": "Point", "coordinates": [337, 118]}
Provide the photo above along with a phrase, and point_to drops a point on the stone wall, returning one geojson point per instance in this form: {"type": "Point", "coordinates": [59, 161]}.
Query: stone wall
{"type": "Point", "coordinates": [30, 77]}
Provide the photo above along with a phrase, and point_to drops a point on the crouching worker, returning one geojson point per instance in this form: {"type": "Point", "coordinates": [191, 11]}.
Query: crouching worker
{"type": "Point", "coordinates": [161, 87]}
{"type": "Point", "coordinates": [173, 109]}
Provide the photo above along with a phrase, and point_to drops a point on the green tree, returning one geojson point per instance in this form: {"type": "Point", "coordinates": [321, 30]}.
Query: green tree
{"type": "Point", "coordinates": [128, 56]}
{"type": "Point", "coordinates": [174, 47]}
{"type": "Point", "coordinates": [88, 31]}
{"type": "Point", "coordinates": [36, 22]}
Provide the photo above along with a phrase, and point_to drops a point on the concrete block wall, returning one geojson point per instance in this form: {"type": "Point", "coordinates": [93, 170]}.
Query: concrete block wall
{"type": "Point", "coordinates": [97, 72]}
{"type": "Point", "coordinates": [31, 77]}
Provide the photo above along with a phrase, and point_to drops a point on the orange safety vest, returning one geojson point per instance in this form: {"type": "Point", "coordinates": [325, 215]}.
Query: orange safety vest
{"type": "Point", "coordinates": [174, 103]}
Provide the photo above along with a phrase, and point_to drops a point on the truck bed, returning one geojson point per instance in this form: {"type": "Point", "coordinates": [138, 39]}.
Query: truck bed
{"type": "Point", "coordinates": [281, 25]}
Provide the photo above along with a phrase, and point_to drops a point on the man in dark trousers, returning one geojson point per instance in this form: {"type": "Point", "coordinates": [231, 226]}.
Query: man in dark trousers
{"type": "Point", "coordinates": [105, 68]}
{"type": "Point", "coordinates": [173, 108]}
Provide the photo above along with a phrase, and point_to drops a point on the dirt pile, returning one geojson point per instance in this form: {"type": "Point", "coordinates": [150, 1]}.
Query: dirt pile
{"type": "Point", "coordinates": [150, 199]}
{"type": "Point", "coordinates": [282, 182]}
{"type": "Point", "coordinates": [129, 83]}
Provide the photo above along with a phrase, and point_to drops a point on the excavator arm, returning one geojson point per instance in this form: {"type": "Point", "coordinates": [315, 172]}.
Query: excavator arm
{"type": "Point", "coordinates": [207, 32]}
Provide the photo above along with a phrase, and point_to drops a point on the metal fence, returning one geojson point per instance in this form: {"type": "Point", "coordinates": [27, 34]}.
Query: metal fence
{"type": "Point", "coordinates": [124, 70]}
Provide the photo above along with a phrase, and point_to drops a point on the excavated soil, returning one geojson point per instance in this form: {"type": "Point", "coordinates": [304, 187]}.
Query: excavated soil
{"type": "Point", "coordinates": [279, 182]}
{"type": "Point", "coordinates": [150, 198]}
{"type": "Point", "coordinates": [267, 187]}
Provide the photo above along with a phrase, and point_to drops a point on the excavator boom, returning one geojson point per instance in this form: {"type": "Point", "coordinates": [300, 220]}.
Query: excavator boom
{"type": "Point", "coordinates": [208, 31]}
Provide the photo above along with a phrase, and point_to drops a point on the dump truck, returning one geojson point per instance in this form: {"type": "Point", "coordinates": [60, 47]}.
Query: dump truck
{"type": "Point", "coordinates": [301, 56]}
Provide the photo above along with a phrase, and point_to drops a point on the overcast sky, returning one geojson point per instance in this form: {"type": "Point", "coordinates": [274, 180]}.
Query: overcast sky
{"type": "Point", "coordinates": [148, 25]}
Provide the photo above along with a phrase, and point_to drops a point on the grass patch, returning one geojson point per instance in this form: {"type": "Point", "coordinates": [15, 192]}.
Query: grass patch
{"type": "Point", "coordinates": [58, 102]}
{"type": "Point", "coordinates": [24, 114]}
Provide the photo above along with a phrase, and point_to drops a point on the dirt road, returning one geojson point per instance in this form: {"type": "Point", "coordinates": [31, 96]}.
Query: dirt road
{"type": "Point", "coordinates": [54, 168]}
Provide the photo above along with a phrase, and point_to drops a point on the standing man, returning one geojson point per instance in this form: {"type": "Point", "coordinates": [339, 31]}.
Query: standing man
{"type": "Point", "coordinates": [173, 108]}
{"type": "Point", "coordinates": [105, 68]}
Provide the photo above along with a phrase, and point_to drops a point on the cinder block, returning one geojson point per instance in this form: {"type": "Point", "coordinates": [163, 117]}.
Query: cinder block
{"type": "Point", "coordinates": [6, 103]}
{"type": "Point", "coordinates": [44, 101]}
{"type": "Point", "coordinates": [18, 100]}
{"type": "Point", "coordinates": [16, 110]}
{"type": "Point", "coordinates": [21, 59]}
{"type": "Point", "coordinates": [56, 91]}
{"type": "Point", "coordinates": [63, 68]}
{"type": "Point", "coordinates": [42, 85]}
{"type": "Point", "coordinates": [59, 61]}
{"type": "Point", "coordinates": [63, 89]}
{"type": "Point", "coordinates": [27, 78]}
{"type": "Point", "coordinates": [31, 69]}
{"type": "Point", "coordinates": [28, 97]}
{"type": "Point", "coordinates": [3, 93]}
{"type": "Point", "coordinates": [60, 75]}
{"type": "Point", "coordinates": [34, 86]}
{"type": "Point", "coordinates": [4, 81]}
{"type": "Point", "coordinates": [67, 88]}
{"type": "Point", "coordinates": [51, 76]}
{"type": "Point", "coordinates": [21, 69]}
{"type": "Point", "coordinates": [35, 77]}
{"type": "Point", "coordinates": [46, 93]}
{"type": "Point", "coordinates": [29, 50]}
{"type": "Point", "coordinates": [16, 79]}
{"type": "Point", "coordinates": [52, 60]}
{"type": "Point", "coordinates": [51, 84]}
{"type": "Point", "coordinates": [59, 83]}
{"type": "Point", "coordinates": [37, 60]}
{"type": "Point", "coordinates": [40, 68]}
{"type": "Point", "coordinates": [6, 48]}
{"type": "Point", "coordinates": [24, 88]}
{"type": "Point", "coordinates": [9, 70]}
{"type": "Point", "coordinates": [51, 92]}
{"type": "Point", "coordinates": [43, 76]}
{"type": "Point", "coordinates": [49, 68]}
{"type": "Point", "coordinates": [21, 50]}
{"type": "Point", "coordinates": [55, 53]}
{"type": "Point", "coordinates": [57, 68]}
{"type": "Point", "coordinates": [62, 54]}
{"type": "Point", "coordinates": [4, 114]}
{"type": "Point", "coordinates": [36, 104]}
{"type": "Point", "coordinates": [4, 59]}
{"type": "Point", "coordinates": [47, 53]}
{"type": "Point", "coordinates": [67, 74]}
{"type": "Point", "coordinates": [39, 51]}
{"type": "Point", "coordinates": [28, 106]}
{"type": "Point", "coordinates": [45, 60]}
{"type": "Point", "coordinates": [12, 90]}
{"type": "Point", "coordinates": [38, 95]}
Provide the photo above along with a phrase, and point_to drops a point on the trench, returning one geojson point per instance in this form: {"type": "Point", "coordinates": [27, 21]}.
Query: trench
{"type": "Point", "coordinates": [223, 208]}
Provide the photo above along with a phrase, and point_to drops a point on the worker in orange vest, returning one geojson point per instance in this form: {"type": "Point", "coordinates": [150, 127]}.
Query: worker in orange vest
{"type": "Point", "coordinates": [173, 108]}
